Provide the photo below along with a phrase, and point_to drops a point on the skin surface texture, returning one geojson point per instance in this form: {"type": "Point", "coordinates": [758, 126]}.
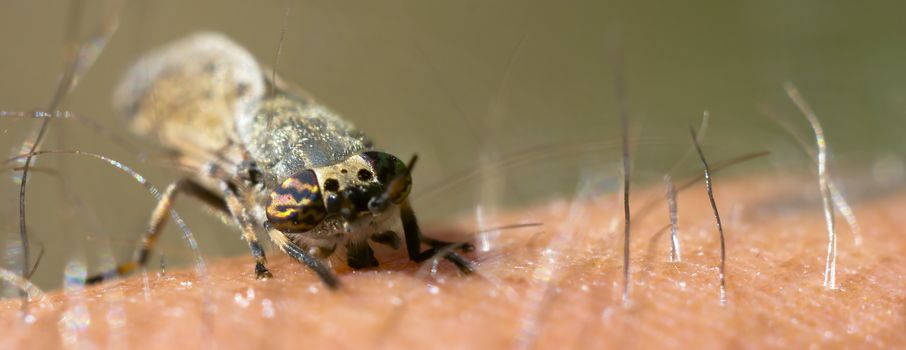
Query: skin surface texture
{"type": "Point", "coordinates": [546, 287]}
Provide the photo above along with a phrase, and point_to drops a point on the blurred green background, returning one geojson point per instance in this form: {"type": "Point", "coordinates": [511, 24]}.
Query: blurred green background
{"type": "Point", "coordinates": [431, 77]}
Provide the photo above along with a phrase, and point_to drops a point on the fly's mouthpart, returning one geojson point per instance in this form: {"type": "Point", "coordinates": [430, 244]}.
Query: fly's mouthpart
{"type": "Point", "coordinates": [356, 201]}
{"type": "Point", "coordinates": [382, 201]}
{"type": "Point", "coordinates": [378, 204]}
{"type": "Point", "coordinates": [349, 214]}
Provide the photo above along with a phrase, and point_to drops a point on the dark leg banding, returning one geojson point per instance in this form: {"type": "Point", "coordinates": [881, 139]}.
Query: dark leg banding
{"type": "Point", "coordinates": [249, 234]}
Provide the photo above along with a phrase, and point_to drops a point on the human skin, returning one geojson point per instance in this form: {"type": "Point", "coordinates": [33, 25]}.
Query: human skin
{"type": "Point", "coordinates": [553, 286]}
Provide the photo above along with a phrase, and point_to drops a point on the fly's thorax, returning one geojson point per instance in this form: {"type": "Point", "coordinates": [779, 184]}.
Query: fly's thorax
{"type": "Point", "coordinates": [289, 132]}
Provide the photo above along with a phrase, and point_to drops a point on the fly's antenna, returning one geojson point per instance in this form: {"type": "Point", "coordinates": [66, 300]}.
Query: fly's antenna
{"type": "Point", "coordinates": [279, 50]}
{"type": "Point", "coordinates": [720, 228]}
{"type": "Point", "coordinates": [830, 267]}
{"type": "Point", "coordinates": [411, 165]}
{"type": "Point", "coordinates": [77, 58]}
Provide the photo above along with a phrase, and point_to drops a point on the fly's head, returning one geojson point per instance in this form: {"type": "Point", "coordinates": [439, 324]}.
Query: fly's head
{"type": "Point", "coordinates": [362, 186]}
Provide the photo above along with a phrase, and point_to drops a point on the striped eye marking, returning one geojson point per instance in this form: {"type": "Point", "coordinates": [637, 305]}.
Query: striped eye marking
{"type": "Point", "coordinates": [296, 205]}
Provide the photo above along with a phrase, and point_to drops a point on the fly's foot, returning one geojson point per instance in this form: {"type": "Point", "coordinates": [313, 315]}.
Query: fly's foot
{"type": "Point", "coordinates": [262, 273]}
{"type": "Point", "coordinates": [464, 266]}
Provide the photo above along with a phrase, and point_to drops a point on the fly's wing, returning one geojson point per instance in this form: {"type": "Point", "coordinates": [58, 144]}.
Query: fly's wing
{"type": "Point", "coordinates": [190, 93]}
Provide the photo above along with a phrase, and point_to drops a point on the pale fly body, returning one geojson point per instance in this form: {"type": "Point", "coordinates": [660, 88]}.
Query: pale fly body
{"type": "Point", "coordinates": [272, 158]}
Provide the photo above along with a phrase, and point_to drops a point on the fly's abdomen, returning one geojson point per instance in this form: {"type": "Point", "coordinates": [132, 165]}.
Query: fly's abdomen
{"type": "Point", "coordinates": [190, 93]}
{"type": "Point", "coordinates": [205, 93]}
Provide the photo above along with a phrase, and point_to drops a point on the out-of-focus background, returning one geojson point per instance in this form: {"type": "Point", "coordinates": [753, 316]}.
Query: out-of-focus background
{"type": "Point", "coordinates": [467, 85]}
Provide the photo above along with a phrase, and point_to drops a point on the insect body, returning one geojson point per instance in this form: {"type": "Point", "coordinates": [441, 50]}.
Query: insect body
{"type": "Point", "coordinates": [272, 158]}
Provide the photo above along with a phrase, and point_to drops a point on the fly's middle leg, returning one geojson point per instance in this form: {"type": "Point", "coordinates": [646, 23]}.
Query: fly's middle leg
{"type": "Point", "coordinates": [414, 240]}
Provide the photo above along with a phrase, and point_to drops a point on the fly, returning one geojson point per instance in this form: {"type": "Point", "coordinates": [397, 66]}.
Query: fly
{"type": "Point", "coordinates": [270, 157]}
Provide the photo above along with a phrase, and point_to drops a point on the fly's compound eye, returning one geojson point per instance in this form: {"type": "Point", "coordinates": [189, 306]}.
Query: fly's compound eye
{"type": "Point", "coordinates": [297, 204]}
{"type": "Point", "coordinates": [392, 173]}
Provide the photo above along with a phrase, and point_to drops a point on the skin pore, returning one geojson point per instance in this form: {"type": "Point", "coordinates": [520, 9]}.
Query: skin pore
{"type": "Point", "coordinates": [553, 286]}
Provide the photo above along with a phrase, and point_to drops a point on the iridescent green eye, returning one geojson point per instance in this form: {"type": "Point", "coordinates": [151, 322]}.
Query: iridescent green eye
{"type": "Point", "coordinates": [392, 173]}
{"type": "Point", "coordinates": [297, 204]}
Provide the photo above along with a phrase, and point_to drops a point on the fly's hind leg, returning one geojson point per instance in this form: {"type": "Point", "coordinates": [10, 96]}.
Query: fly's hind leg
{"type": "Point", "coordinates": [160, 215]}
{"type": "Point", "coordinates": [414, 240]}
{"type": "Point", "coordinates": [155, 226]}
{"type": "Point", "coordinates": [249, 234]}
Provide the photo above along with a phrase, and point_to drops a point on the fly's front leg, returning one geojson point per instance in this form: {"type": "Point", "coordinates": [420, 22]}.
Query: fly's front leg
{"type": "Point", "coordinates": [413, 236]}
{"type": "Point", "coordinates": [155, 227]}
{"type": "Point", "coordinates": [293, 250]}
